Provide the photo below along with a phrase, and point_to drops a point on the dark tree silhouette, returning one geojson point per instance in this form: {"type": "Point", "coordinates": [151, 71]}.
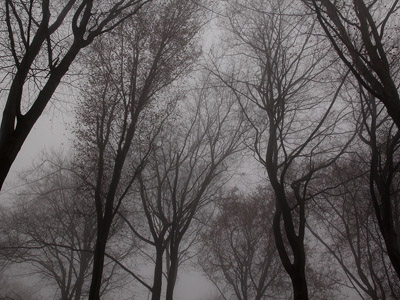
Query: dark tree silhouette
{"type": "Point", "coordinates": [41, 41]}
{"type": "Point", "coordinates": [126, 100]}
{"type": "Point", "coordinates": [365, 36]}
{"type": "Point", "coordinates": [281, 65]}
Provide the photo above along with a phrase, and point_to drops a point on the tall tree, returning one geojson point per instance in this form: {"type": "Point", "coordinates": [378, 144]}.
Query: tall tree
{"type": "Point", "coordinates": [295, 128]}
{"type": "Point", "coordinates": [126, 99]}
{"type": "Point", "coordinates": [41, 41]}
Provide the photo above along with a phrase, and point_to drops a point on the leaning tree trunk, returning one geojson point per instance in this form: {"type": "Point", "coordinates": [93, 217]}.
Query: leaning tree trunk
{"type": "Point", "coordinates": [283, 226]}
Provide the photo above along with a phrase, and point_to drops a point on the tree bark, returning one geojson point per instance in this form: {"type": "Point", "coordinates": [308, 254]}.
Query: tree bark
{"type": "Point", "coordinates": [172, 273]}
{"type": "Point", "coordinates": [384, 215]}
{"type": "Point", "coordinates": [300, 290]}
{"type": "Point", "coordinates": [98, 262]}
{"type": "Point", "coordinates": [158, 273]}
{"type": "Point", "coordinates": [296, 270]}
{"type": "Point", "coordinates": [13, 136]}
{"type": "Point", "coordinates": [84, 264]}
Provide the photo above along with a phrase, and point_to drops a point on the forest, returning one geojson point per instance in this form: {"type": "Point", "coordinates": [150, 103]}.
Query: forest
{"type": "Point", "coordinates": [253, 142]}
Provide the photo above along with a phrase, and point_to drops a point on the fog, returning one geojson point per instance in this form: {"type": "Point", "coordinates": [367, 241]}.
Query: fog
{"type": "Point", "coordinates": [199, 150]}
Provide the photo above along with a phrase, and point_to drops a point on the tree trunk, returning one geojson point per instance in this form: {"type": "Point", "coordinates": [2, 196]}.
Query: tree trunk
{"type": "Point", "coordinates": [84, 263]}
{"type": "Point", "coordinates": [172, 273]}
{"type": "Point", "coordinates": [8, 152]}
{"type": "Point", "coordinates": [300, 290]}
{"type": "Point", "coordinates": [295, 269]}
{"type": "Point", "coordinates": [158, 269]}
{"type": "Point", "coordinates": [98, 261]}
{"type": "Point", "coordinates": [393, 249]}
{"type": "Point", "coordinates": [13, 136]}
{"type": "Point", "coordinates": [381, 191]}
{"type": "Point", "coordinates": [384, 215]}
{"type": "Point", "coordinates": [98, 266]}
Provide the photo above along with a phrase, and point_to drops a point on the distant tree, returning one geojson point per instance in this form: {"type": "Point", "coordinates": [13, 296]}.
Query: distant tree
{"type": "Point", "coordinates": [51, 228]}
{"type": "Point", "coordinates": [40, 41]}
{"type": "Point", "coordinates": [13, 290]}
{"type": "Point", "coordinates": [126, 99]}
{"type": "Point", "coordinates": [238, 250]}
{"type": "Point", "coordinates": [344, 222]}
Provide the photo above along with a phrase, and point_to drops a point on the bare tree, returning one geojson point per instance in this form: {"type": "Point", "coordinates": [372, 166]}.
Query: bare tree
{"type": "Point", "coordinates": [383, 139]}
{"type": "Point", "coordinates": [41, 39]}
{"type": "Point", "coordinates": [52, 228]}
{"type": "Point", "coordinates": [13, 290]}
{"type": "Point", "coordinates": [365, 36]}
{"type": "Point", "coordinates": [238, 250]}
{"type": "Point", "coordinates": [183, 172]}
{"type": "Point", "coordinates": [345, 224]}
{"type": "Point", "coordinates": [125, 101]}
{"type": "Point", "coordinates": [296, 132]}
